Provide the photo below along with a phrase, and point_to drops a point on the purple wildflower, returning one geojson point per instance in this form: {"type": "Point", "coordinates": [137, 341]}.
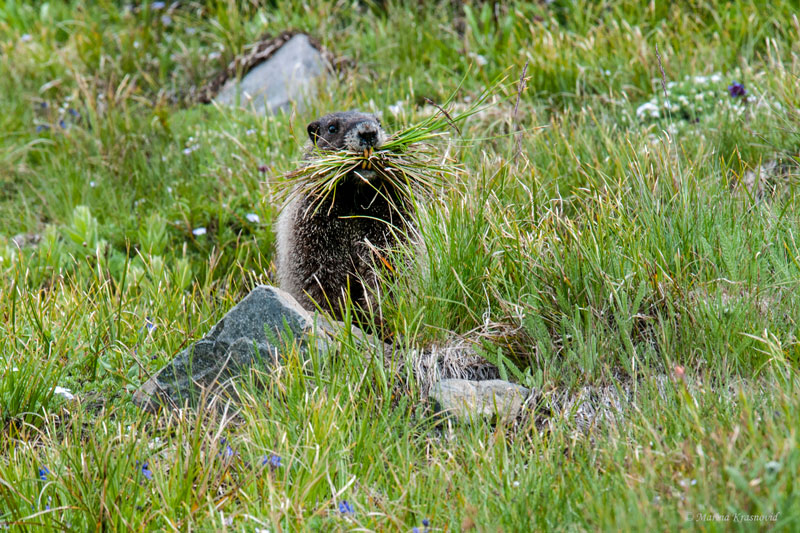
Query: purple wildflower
{"type": "Point", "coordinates": [145, 470]}
{"type": "Point", "coordinates": [62, 124]}
{"type": "Point", "coordinates": [415, 529]}
{"type": "Point", "coordinates": [228, 451]}
{"type": "Point", "coordinates": [43, 471]}
{"type": "Point", "coordinates": [737, 90]}
{"type": "Point", "coordinates": [426, 522]}
{"type": "Point", "coordinates": [73, 112]}
{"type": "Point", "coordinates": [43, 105]}
{"type": "Point", "coordinates": [274, 461]}
{"type": "Point", "coordinates": [42, 127]}
{"type": "Point", "coordinates": [345, 507]}
{"type": "Point", "coordinates": [157, 6]}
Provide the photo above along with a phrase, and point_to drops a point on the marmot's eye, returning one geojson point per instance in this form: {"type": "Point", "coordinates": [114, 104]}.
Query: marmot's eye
{"type": "Point", "coordinates": [332, 128]}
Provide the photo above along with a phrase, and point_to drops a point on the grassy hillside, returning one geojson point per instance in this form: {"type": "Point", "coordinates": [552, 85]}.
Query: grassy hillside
{"type": "Point", "coordinates": [633, 214]}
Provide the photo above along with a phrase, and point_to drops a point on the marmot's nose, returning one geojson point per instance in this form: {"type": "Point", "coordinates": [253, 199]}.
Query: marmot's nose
{"type": "Point", "coordinates": [367, 139]}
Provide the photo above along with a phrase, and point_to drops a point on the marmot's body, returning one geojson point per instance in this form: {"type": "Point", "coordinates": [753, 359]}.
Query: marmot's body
{"type": "Point", "coordinates": [327, 249]}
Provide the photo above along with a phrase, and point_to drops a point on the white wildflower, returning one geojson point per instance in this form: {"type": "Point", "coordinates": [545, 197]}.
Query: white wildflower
{"type": "Point", "coordinates": [479, 59]}
{"type": "Point", "coordinates": [252, 218]}
{"type": "Point", "coordinates": [66, 393]}
{"type": "Point", "coordinates": [199, 231]}
{"type": "Point", "coordinates": [702, 80]}
{"type": "Point", "coordinates": [397, 108]}
{"type": "Point", "coordinates": [648, 108]}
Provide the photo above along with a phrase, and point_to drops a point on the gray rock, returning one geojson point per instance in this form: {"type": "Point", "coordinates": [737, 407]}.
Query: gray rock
{"type": "Point", "coordinates": [467, 400]}
{"type": "Point", "coordinates": [255, 332]}
{"type": "Point", "coordinates": [289, 76]}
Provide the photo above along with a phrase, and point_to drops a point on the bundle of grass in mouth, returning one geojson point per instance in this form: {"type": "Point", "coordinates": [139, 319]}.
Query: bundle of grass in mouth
{"type": "Point", "coordinates": [406, 164]}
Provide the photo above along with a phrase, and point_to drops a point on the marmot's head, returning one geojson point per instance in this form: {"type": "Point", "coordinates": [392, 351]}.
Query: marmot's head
{"type": "Point", "coordinates": [347, 130]}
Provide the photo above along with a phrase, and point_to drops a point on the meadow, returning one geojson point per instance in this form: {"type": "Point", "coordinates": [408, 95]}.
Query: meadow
{"type": "Point", "coordinates": [630, 213]}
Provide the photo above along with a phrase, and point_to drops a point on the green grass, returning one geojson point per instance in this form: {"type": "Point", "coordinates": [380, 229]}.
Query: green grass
{"type": "Point", "coordinates": [612, 247]}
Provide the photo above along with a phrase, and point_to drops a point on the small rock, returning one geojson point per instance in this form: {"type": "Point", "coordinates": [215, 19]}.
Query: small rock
{"type": "Point", "coordinates": [288, 76]}
{"type": "Point", "coordinates": [466, 400]}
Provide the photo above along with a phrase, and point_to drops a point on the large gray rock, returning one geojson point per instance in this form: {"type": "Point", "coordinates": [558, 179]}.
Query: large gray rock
{"type": "Point", "coordinates": [289, 76]}
{"type": "Point", "coordinates": [255, 332]}
{"type": "Point", "coordinates": [468, 400]}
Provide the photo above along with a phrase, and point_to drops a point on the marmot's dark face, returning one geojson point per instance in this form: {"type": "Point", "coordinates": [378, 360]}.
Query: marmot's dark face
{"type": "Point", "coordinates": [347, 130]}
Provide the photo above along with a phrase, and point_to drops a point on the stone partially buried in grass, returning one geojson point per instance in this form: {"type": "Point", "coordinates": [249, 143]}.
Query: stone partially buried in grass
{"type": "Point", "coordinates": [255, 332]}
{"type": "Point", "coordinates": [275, 74]}
{"type": "Point", "coordinates": [467, 400]}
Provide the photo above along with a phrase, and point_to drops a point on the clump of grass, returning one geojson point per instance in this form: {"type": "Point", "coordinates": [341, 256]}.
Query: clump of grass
{"type": "Point", "coordinates": [407, 162]}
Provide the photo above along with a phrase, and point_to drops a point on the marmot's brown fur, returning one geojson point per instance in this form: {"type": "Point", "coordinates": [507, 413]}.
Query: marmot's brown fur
{"type": "Point", "coordinates": [329, 252]}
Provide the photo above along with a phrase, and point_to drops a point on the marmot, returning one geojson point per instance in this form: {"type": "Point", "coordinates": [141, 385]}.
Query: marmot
{"type": "Point", "coordinates": [329, 252]}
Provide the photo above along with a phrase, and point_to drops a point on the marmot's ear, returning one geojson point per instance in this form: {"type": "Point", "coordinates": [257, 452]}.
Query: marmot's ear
{"type": "Point", "coordinates": [313, 131]}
